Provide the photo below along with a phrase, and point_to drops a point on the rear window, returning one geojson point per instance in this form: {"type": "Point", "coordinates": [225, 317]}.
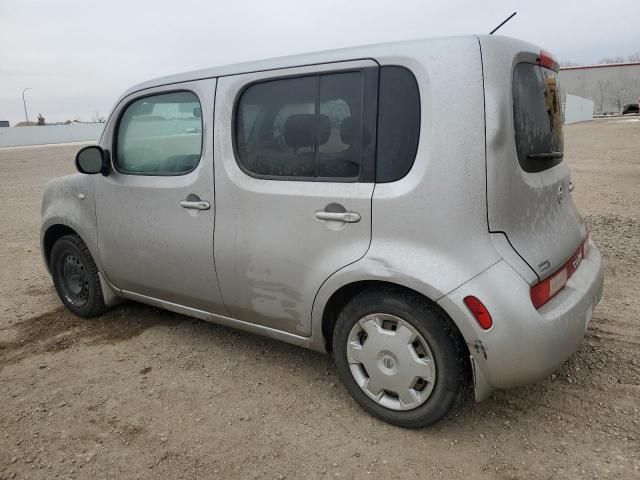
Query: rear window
{"type": "Point", "coordinates": [537, 117]}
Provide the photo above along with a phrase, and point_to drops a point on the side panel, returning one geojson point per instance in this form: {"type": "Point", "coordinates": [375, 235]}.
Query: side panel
{"type": "Point", "coordinates": [63, 204]}
{"type": "Point", "coordinates": [429, 229]}
{"type": "Point", "coordinates": [432, 223]}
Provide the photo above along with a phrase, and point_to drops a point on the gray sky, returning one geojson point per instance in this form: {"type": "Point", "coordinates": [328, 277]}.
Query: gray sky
{"type": "Point", "coordinates": [79, 55]}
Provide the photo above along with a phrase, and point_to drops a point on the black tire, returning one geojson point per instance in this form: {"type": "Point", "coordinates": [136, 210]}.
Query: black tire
{"type": "Point", "coordinates": [75, 277]}
{"type": "Point", "coordinates": [443, 339]}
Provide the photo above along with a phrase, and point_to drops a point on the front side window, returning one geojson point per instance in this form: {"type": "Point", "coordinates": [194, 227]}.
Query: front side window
{"type": "Point", "coordinates": [537, 117]}
{"type": "Point", "coordinates": [302, 128]}
{"type": "Point", "coordinates": [160, 135]}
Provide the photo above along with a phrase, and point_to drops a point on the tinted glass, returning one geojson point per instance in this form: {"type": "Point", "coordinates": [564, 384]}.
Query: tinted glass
{"type": "Point", "coordinates": [160, 135]}
{"type": "Point", "coordinates": [302, 128]}
{"type": "Point", "coordinates": [341, 103]}
{"type": "Point", "coordinates": [398, 123]}
{"type": "Point", "coordinates": [537, 117]}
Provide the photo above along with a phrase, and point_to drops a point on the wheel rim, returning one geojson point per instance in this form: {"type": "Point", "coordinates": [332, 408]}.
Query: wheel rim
{"type": "Point", "coordinates": [391, 362]}
{"type": "Point", "coordinates": [75, 280]}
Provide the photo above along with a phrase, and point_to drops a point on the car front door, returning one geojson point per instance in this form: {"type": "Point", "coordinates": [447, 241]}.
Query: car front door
{"type": "Point", "coordinates": [294, 153]}
{"type": "Point", "coordinates": [155, 209]}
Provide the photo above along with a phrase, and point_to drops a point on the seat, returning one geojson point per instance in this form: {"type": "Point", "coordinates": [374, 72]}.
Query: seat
{"type": "Point", "coordinates": [344, 164]}
{"type": "Point", "coordinates": [299, 133]}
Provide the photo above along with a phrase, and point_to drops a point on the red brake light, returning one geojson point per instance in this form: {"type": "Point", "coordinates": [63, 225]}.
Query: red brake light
{"type": "Point", "coordinates": [547, 60]}
{"type": "Point", "coordinates": [546, 289]}
{"type": "Point", "coordinates": [483, 317]}
{"type": "Point", "coordinates": [540, 294]}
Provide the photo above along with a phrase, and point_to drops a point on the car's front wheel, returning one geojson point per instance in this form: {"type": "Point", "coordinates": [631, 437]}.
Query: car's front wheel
{"type": "Point", "coordinates": [399, 357]}
{"type": "Point", "coordinates": [75, 276]}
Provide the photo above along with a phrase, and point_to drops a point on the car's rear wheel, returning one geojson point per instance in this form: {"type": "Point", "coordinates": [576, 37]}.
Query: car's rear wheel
{"type": "Point", "coordinates": [75, 276]}
{"type": "Point", "coordinates": [399, 357]}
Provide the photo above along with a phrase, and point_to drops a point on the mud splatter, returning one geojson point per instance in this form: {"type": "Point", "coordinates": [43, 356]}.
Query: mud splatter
{"type": "Point", "coordinates": [60, 329]}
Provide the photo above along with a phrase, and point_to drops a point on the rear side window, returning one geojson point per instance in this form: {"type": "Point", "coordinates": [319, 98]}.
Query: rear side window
{"type": "Point", "coordinates": [537, 117]}
{"type": "Point", "coordinates": [398, 123]}
{"type": "Point", "coordinates": [302, 128]}
{"type": "Point", "coordinates": [160, 135]}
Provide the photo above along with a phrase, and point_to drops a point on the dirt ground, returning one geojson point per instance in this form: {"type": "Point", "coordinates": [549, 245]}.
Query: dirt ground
{"type": "Point", "coordinates": [142, 393]}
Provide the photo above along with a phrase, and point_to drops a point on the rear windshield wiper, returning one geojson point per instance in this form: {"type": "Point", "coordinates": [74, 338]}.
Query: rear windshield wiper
{"type": "Point", "coordinates": [545, 155]}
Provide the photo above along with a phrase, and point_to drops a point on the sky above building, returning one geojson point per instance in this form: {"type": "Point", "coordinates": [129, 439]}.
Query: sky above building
{"type": "Point", "coordinates": [78, 56]}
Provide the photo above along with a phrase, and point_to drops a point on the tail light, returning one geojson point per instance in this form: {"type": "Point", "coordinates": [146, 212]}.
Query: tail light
{"type": "Point", "coordinates": [548, 288]}
{"type": "Point", "coordinates": [479, 311]}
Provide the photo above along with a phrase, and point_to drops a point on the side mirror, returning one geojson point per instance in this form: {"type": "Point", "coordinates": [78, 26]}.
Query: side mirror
{"type": "Point", "coordinates": [93, 159]}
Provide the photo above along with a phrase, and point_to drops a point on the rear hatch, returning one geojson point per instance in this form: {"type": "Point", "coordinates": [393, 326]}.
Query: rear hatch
{"type": "Point", "coordinates": [528, 182]}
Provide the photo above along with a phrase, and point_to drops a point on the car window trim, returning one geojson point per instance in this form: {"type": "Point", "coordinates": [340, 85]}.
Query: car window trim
{"type": "Point", "coordinates": [116, 129]}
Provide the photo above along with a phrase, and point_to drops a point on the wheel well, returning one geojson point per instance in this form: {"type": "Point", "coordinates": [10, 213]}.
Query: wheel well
{"type": "Point", "coordinates": [53, 233]}
{"type": "Point", "coordinates": [343, 295]}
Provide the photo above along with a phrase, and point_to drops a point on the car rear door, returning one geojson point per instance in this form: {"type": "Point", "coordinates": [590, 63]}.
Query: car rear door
{"type": "Point", "coordinates": [294, 155]}
{"type": "Point", "coordinates": [528, 183]}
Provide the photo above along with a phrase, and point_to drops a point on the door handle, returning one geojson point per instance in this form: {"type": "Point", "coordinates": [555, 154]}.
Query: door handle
{"type": "Point", "coordinates": [347, 217]}
{"type": "Point", "coordinates": [195, 205]}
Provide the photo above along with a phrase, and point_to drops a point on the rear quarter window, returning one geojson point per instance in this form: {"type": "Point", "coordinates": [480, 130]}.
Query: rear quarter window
{"type": "Point", "coordinates": [398, 123]}
{"type": "Point", "coordinates": [537, 117]}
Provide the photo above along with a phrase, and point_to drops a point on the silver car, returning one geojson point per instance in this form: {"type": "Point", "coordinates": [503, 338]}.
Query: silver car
{"type": "Point", "coordinates": [404, 207]}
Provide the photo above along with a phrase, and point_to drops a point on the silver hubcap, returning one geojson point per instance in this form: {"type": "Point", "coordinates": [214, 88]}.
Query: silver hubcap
{"type": "Point", "coordinates": [391, 361]}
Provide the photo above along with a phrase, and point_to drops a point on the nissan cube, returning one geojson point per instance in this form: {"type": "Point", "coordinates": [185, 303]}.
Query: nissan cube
{"type": "Point", "coordinates": [404, 207]}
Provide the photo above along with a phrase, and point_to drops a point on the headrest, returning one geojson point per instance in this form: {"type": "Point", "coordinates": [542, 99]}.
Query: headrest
{"type": "Point", "coordinates": [349, 131]}
{"type": "Point", "coordinates": [299, 130]}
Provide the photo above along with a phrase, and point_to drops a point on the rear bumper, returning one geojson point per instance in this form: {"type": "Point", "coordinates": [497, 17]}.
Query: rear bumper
{"type": "Point", "coordinates": [524, 344]}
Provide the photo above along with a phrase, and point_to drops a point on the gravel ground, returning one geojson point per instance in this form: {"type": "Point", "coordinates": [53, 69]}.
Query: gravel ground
{"type": "Point", "coordinates": [142, 393]}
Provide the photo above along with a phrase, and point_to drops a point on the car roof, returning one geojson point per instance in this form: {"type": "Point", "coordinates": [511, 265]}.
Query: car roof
{"type": "Point", "coordinates": [319, 57]}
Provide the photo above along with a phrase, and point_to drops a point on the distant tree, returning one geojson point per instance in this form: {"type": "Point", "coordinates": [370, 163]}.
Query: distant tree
{"type": "Point", "coordinates": [98, 118]}
{"type": "Point", "coordinates": [634, 57]}
{"type": "Point", "coordinates": [602, 93]}
{"type": "Point", "coordinates": [581, 89]}
{"type": "Point", "coordinates": [567, 63]}
{"type": "Point", "coordinates": [608, 60]}
{"type": "Point", "coordinates": [41, 120]}
{"type": "Point", "coordinates": [619, 95]}
{"type": "Point", "coordinates": [68, 122]}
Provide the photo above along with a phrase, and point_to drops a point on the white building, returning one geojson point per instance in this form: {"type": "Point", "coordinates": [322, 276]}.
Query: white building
{"type": "Point", "coordinates": [610, 86]}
